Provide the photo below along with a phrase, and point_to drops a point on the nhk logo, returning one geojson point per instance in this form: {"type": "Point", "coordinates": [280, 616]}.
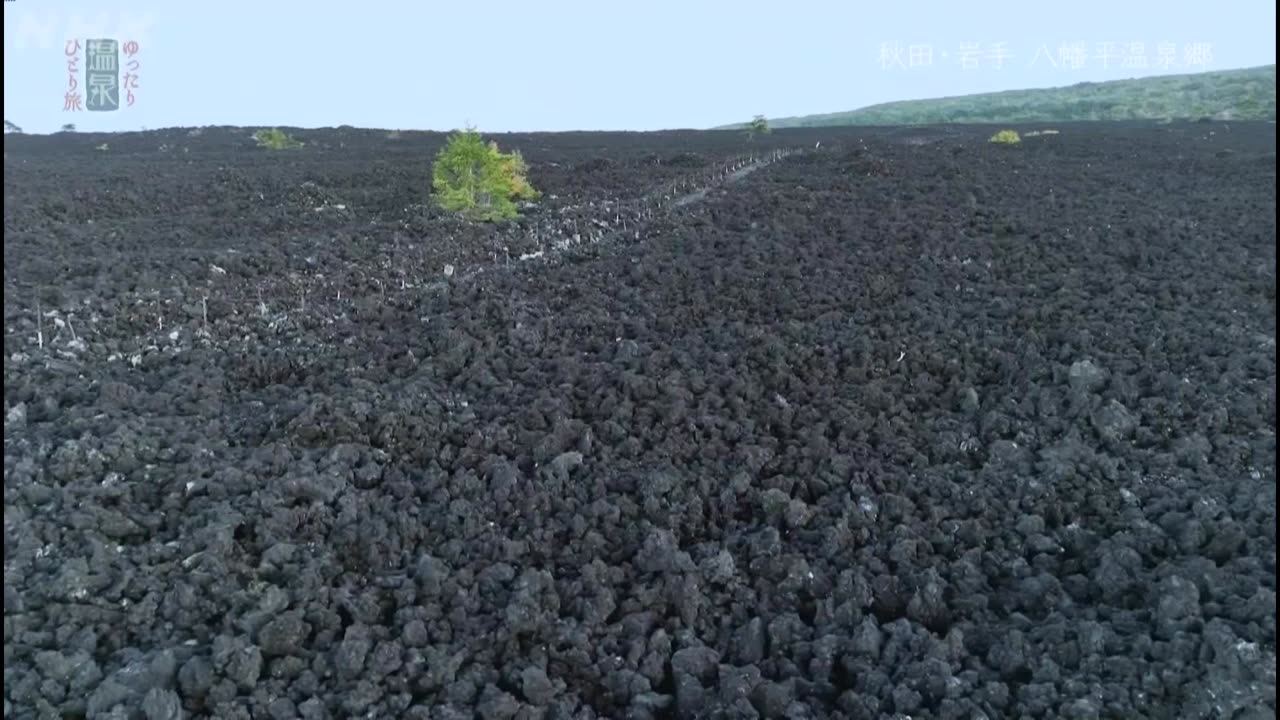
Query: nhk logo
{"type": "Point", "coordinates": [44, 30]}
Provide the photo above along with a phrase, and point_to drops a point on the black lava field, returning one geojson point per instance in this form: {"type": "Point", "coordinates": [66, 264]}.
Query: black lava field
{"type": "Point", "coordinates": [837, 423]}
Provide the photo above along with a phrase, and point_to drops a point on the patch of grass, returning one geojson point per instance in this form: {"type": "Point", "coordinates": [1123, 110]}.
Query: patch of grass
{"type": "Point", "coordinates": [1006, 137]}
{"type": "Point", "coordinates": [276, 139]}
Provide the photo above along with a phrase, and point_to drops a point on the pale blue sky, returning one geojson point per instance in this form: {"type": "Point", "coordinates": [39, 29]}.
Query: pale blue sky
{"type": "Point", "coordinates": [595, 64]}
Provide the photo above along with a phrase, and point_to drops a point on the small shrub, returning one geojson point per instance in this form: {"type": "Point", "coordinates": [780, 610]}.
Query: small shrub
{"type": "Point", "coordinates": [69, 127]}
{"type": "Point", "coordinates": [478, 180]}
{"type": "Point", "coordinates": [758, 126]}
{"type": "Point", "coordinates": [275, 139]}
{"type": "Point", "coordinates": [517, 173]}
{"type": "Point", "coordinates": [1006, 137]}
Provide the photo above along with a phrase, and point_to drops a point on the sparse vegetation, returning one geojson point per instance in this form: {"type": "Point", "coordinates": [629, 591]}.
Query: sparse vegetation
{"type": "Point", "coordinates": [1006, 137]}
{"type": "Point", "coordinates": [477, 180]}
{"type": "Point", "coordinates": [276, 139]}
{"type": "Point", "coordinates": [1247, 94]}
{"type": "Point", "coordinates": [759, 125]}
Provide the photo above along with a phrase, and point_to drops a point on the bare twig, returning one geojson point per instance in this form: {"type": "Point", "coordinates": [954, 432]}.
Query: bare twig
{"type": "Point", "coordinates": [39, 324]}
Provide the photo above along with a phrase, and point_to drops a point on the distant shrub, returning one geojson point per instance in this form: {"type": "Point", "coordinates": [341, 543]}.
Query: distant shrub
{"type": "Point", "coordinates": [1006, 137]}
{"type": "Point", "coordinates": [758, 126]}
{"type": "Point", "coordinates": [479, 181]}
{"type": "Point", "coordinates": [69, 127]}
{"type": "Point", "coordinates": [9, 127]}
{"type": "Point", "coordinates": [275, 139]}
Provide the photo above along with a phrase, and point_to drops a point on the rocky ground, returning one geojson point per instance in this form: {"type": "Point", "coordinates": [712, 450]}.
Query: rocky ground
{"type": "Point", "coordinates": [902, 424]}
